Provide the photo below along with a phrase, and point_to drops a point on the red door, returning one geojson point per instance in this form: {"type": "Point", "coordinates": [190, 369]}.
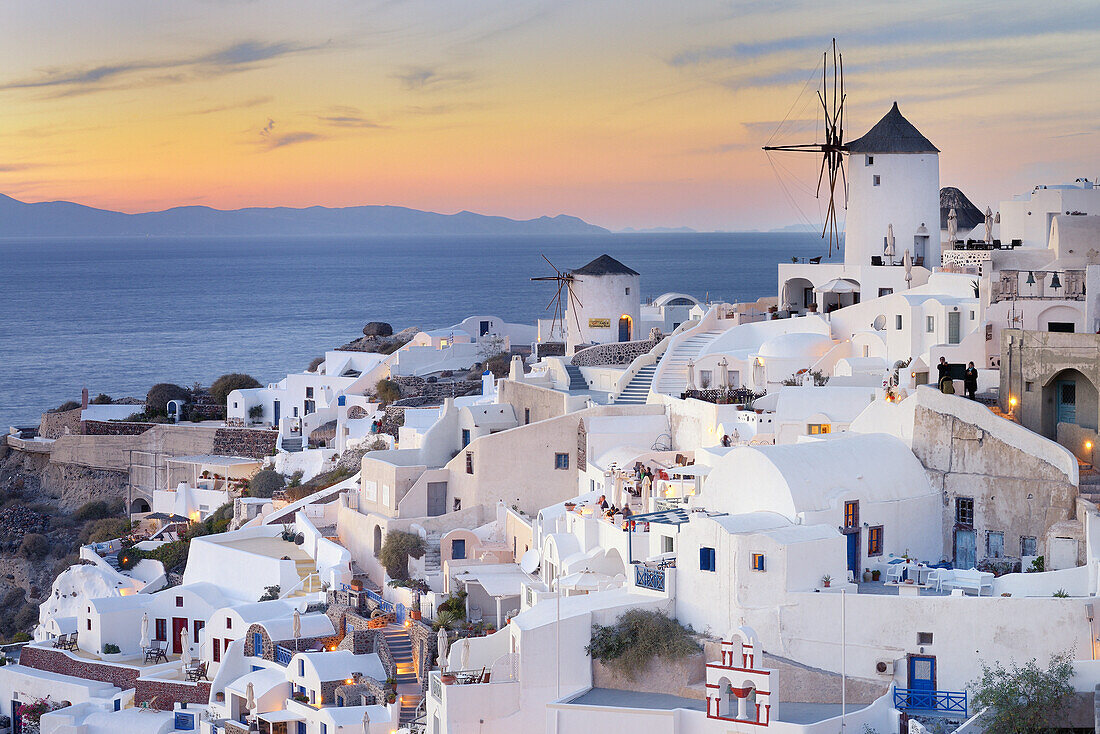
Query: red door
{"type": "Point", "coordinates": [179, 624]}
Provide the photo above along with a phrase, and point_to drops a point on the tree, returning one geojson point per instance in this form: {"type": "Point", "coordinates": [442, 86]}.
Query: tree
{"type": "Point", "coordinates": [66, 406]}
{"type": "Point", "coordinates": [397, 548]}
{"type": "Point", "coordinates": [156, 400]}
{"type": "Point", "coordinates": [1024, 699]}
{"type": "Point", "coordinates": [490, 346]}
{"type": "Point", "coordinates": [226, 384]}
{"type": "Point", "coordinates": [265, 483]}
{"type": "Point", "coordinates": [102, 399]}
{"type": "Point", "coordinates": [387, 390]}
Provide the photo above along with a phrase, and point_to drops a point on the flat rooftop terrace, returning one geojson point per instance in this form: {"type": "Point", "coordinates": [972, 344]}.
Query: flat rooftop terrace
{"type": "Point", "coordinates": [792, 713]}
{"type": "Point", "coordinates": [274, 547]}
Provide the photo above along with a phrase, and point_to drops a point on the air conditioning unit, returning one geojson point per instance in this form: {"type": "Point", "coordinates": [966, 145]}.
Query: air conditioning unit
{"type": "Point", "coordinates": [884, 667]}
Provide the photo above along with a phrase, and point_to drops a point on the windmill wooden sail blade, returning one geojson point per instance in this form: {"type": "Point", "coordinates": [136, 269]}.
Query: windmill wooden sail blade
{"type": "Point", "coordinates": [565, 280]}
{"type": "Point", "coordinates": [832, 149]}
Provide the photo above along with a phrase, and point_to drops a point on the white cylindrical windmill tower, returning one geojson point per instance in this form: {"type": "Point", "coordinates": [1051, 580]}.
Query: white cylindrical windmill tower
{"type": "Point", "coordinates": [605, 305]}
{"type": "Point", "coordinates": [893, 179]}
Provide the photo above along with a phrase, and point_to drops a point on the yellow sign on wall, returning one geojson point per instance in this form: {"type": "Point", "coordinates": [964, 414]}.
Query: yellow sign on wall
{"type": "Point", "coordinates": [599, 323]}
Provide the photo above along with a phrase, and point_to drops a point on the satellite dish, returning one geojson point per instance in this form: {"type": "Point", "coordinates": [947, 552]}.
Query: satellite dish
{"type": "Point", "coordinates": [530, 561]}
{"type": "Point", "coordinates": [879, 323]}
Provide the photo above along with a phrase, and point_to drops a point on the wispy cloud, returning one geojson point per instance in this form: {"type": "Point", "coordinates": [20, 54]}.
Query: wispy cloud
{"type": "Point", "coordinates": [13, 167]}
{"type": "Point", "coordinates": [237, 57]}
{"type": "Point", "coordinates": [244, 104]}
{"type": "Point", "coordinates": [282, 141]}
{"type": "Point", "coordinates": [429, 77]}
{"type": "Point", "coordinates": [344, 116]}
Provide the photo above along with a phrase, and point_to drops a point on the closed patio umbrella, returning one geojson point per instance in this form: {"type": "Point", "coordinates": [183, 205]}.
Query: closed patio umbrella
{"type": "Point", "coordinates": [907, 261]}
{"type": "Point", "coordinates": [723, 373]}
{"type": "Point", "coordinates": [441, 643]}
{"type": "Point", "coordinates": [464, 653]}
{"type": "Point", "coordinates": [988, 225]}
{"type": "Point", "coordinates": [297, 627]}
{"type": "Point", "coordinates": [250, 698]}
{"type": "Point", "coordinates": [145, 631]}
{"type": "Point", "coordinates": [691, 375]}
{"type": "Point", "coordinates": [888, 251]}
{"type": "Point", "coordinates": [185, 647]}
{"type": "Point", "coordinates": [366, 723]}
{"type": "Point", "coordinates": [952, 227]}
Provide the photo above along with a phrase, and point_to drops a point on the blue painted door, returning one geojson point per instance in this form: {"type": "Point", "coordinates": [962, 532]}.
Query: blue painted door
{"type": "Point", "coordinates": [965, 548]}
{"type": "Point", "coordinates": [853, 554]}
{"type": "Point", "coordinates": [277, 411]}
{"type": "Point", "coordinates": [16, 720]}
{"type": "Point", "coordinates": [922, 682]}
{"type": "Point", "coordinates": [458, 549]}
{"type": "Point", "coordinates": [257, 644]}
{"type": "Point", "coordinates": [624, 329]}
{"type": "Point", "coordinates": [1066, 401]}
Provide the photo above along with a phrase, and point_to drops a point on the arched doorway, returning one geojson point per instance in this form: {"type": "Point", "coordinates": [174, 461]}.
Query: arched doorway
{"type": "Point", "coordinates": [798, 294]}
{"type": "Point", "coordinates": [139, 505]}
{"type": "Point", "coordinates": [377, 539]}
{"type": "Point", "coordinates": [626, 328]}
{"type": "Point", "coordinates": [1069, 397]}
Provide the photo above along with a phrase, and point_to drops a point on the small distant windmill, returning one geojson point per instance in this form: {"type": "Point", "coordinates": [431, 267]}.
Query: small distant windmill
{"type": "Point", "coordinates": [564, 280]}
{"type": "Point", "coordinates": [832, 150]}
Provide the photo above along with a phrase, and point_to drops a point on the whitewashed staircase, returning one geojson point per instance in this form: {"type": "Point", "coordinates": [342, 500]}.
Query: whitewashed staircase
{"type": "Point", "coordinates": [673, 374]}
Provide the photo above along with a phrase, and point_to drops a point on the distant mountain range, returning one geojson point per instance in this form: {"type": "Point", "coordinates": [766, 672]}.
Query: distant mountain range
{"type": "Point", "coordinates": [66, 219]}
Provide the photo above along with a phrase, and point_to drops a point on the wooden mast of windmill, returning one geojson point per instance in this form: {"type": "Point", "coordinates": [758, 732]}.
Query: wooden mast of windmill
{"type": "Point", "coordinates": [564, 280]}
{"type": "Point", "coordinates": [832, 150]}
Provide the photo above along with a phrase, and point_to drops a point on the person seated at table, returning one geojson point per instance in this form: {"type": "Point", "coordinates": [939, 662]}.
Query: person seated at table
{"type": "Point", "coordinates": [611, 511]}
{"type": "Point", "coordinates": [602, 502]}
{"type": "Point", "coordinates": [627, 512]}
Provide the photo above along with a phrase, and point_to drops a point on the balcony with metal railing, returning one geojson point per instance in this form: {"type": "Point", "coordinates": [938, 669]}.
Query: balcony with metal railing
{"type": "Point", "coordinates": [913, 700]}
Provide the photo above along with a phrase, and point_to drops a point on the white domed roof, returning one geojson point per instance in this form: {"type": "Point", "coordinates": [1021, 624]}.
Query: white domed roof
{"type": "Point", "coordinates": [795, 345]}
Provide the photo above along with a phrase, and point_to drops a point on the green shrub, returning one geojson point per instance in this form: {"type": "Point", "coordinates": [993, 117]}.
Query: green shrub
{"type": "Point", "coordinates": [270, 592]}
{"type": "Point", "coordinates": [34, 545]}
{"type": "Point", "coordinates": [102, 399]}
{"type": "Point", "coordinates": [156, 400]}
{"type": "Point", "coordinates": [295, 479]}
{"type": "Point", "coordinates": [256, 412]}
{"type": "Point", "coordinates": [265, 483]}
{"type": "Point", "coordinates": [111, 649]}
{"type": "Point", "coordinates": [226, 384]}
{"type": "Point", "coordinates": [108, 528]}
{"type": "Point", "coordinates": [637, 637]}
{"type": "Point", "coordinates": [387, 391]}
{"type": "Point", "coordinates": [65, 406]}
{"type": "Point", "coordinates": [397, 548]}
{"type": "Point", "coordinates": [94, 510]}
{"type": "Point", "coordinates": [1024, 698]}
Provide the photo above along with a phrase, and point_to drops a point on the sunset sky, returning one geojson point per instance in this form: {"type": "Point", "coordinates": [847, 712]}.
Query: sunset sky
{"type": "Point", "coordinates": [622, 112]}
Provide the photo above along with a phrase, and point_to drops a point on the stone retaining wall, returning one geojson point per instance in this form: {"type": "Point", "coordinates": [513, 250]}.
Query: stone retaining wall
{"type": "Point", "coordinates": [255, 443]}
{"type": "Point", "coordinates": [54, 425]}
{"type": "Point", "coordinates": [164, 694]}
{"type": "Point", "coordinates": [115, 428]}
{"type": "Point", "coordinates": [614, 353]}
{"type": "Point", "coordinates": [57, 661]}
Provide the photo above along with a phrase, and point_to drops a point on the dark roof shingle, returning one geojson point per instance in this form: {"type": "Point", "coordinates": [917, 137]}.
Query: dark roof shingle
{"type": "Point", "coordinates": [604, 265]}
{"type": "Point", "coordinates": [892, 134]}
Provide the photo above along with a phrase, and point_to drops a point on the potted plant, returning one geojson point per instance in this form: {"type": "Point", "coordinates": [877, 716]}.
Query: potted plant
{"type": "Point", "coordinates": [866, 574]}
{"type": "Point", "coordinates": [569, 506]}
{"type": "Point", "coordinates": [446, 678]}
{"type": "Point", "coordinates": [826, 580]}
{"type": "Point", "coordinates": [876, 575]}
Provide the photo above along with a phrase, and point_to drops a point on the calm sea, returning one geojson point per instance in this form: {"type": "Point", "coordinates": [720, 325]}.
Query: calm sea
{"type": "Point", "coordinates": [117, 315]}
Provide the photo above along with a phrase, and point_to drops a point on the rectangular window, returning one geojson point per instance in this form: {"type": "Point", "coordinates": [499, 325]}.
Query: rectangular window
{"type": "Point", "coordinates": [229, 623]}
{"type": "Point", "coordinates": [561, 461]}
{"type": "Point", "coordinates": [930, 324]}
{"type": "Point", "coordinates": [469, 462]}
{"type": "Point", "coordinates": [706, 559]}
{"type": "Point", "coordinates": [526, 416]}
{"type": "Point", "coordinates": [217, 650]}
{"type": "Point", "coordinates": [884, 292]}
{"type": "Point", "coordinates": [309, 393]}
{"type": "Point", "coordinates": [313, 701]}
{"type": "Point", "coordinates": [816, 429]}
{"type": "Point", "coordinates": [1029, 546]}
{"type": "Point", "coordinates": [1064, 327]}
{"type": "Point", "coordinates": [971, 315]}
{"type": "Point", "coordinates": [897, 322]}
{"type": "Point", "coordinates": [876, 180]}
{"type": "Point", "coordinates": [757, 561]}
{"type": "Point", "coordinates": [465, 437]}
{"type": "Point", "coordinates": [199, 624]}
{"type": "Point", "coordinates": [89, 624]}
{"type": "Point", "coordinates": [667, 544]}
{"type": "Point", "coordinates": [924, 638]}
{"type": "Point", "coordinates": [160, 629]}
{"type": "Point", "coordinates": [179, 601]}
{"type": "Point", "coordinates": [301, 667]}
{"type": "Point", "coordinates": [1028, 385]}
{"type": "Point", "coordinates": [995, 544]}
{"type": "Point", "coordinates": [870, 160]}
{"type": "Point", "coordinates": [964, 510]}
{"type": "Point", "coordinates": [310, 407]}
{"type": "Point", "coordinates": [628, 291]}
{"type": "Point", "coordinates": [851, 514]}
{"type": "Point", "coordinates": [874, 541]}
